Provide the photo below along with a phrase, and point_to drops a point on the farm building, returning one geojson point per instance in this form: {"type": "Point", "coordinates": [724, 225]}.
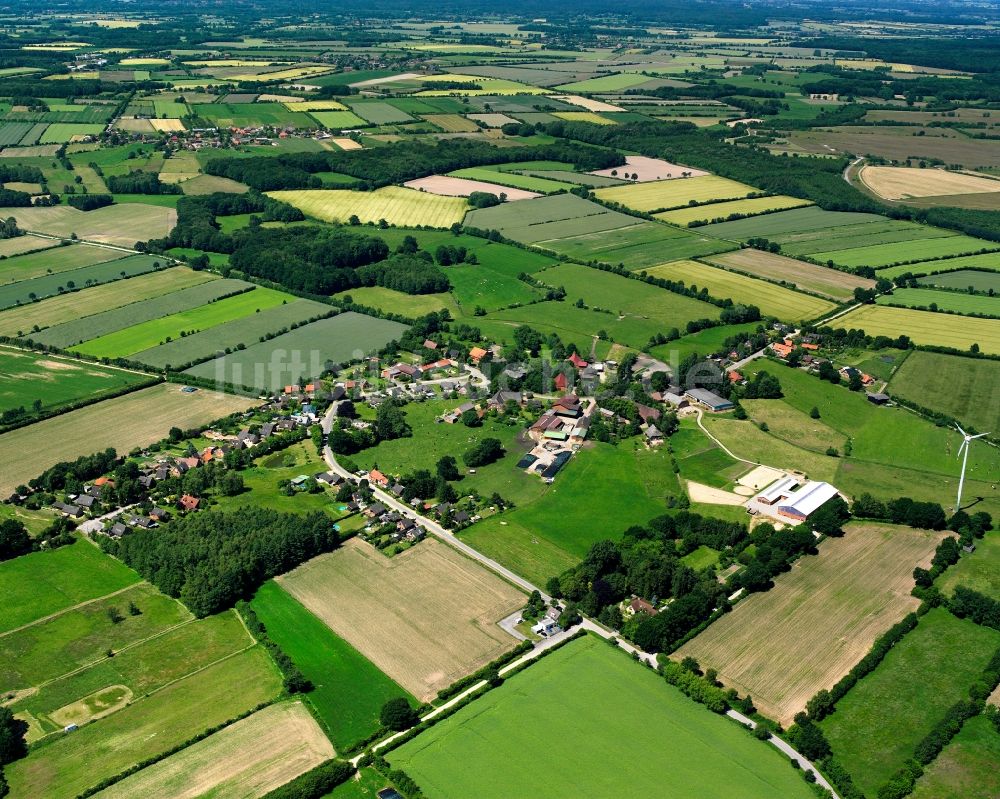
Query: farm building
{"type": "Point", "coordinates": [789, 498]}
{"type": "Point", "coordinates": [709, 399]}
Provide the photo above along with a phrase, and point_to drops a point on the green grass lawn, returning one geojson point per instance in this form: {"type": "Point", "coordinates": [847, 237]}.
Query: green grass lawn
{"type": "Point", "coordinates": [943, 300]}
{"type": "Point", "coordinates": [411, 305]}
{"type": "Point", "coordinates": [41, 583]}
{"type": "Point", "coordinates": [261, 483]}
{"type": "Point", "coordinates": [702, 558]}
{"type": "Point", "coordinates": [148, 727]}
{"type": "Point", "coordinates": [876, 726]}
{"type": "Point", "coordinates": [601, 492]}
{"type": "Point", "coordinates": [584, 707]}
{"type": "Point", "coordinates": [26, 377]}
{"type": "Point", "coordinates": [73, 639]}
{"type": "Point", "coordinates": [966, 767]}
{"type": "Point", "coordinates": [704, 342]}
{"type": "Point", "coordinates": [349, 689]}
{"type": "Point", "coordinates": [979, 571]}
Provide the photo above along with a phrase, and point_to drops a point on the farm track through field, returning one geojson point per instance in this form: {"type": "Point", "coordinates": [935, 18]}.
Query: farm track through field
{"type": "Point", "coordinates": [59, 613]}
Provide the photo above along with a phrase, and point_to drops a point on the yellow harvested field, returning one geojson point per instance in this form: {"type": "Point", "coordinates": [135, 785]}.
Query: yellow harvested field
{"type": "Point", "coordinates": [451, 123]}
{"type": "Point", "coordinates": [63, 307]}
{"type": "Point", "coordinates": [448, 186]}
{"type": "Point", "coordinates": [425, 617]}
{"type": "Point", "coordinates": [292, 73]}
{"type": "Point", "coordinates": [583, 116]}
{"type": "Point", "coordinates": [395, 204]}
{"type": "Point", "coordinates": [784, 645]}
{"type": "Point", "coordinates": [587, 103]}
{"type": "Point", "coordinates": [665, 194]}
{"type": "Point", "coordinates": [773, 300]}
{"type": "Point", "coordinates": [831, 283]}
{"type": "Point", "coordinates": [245, 760]}
{"type": "Point", "coordinates": [924, 327]}
{"type": "Point", "coordinates": [132, 420]}
{"type": "Point", "coordinates": [643, 169]}
{"type": "Point", "coordinates": [232, 62]}
{"type": "Point", "coordinates": [167, 125]}
{"type": "Point", "coordinates": [143, 62]}
{"type": "Point", "coordinates": [712, 211]}
{"type": "Point", "coordinates": [347, 144]}
{"type": "Point", "coordinates": [315, 105]}
{"type": "Point", "coordinates": [901, 183]}
{"type": "Point", "coordinates": [121, 224]}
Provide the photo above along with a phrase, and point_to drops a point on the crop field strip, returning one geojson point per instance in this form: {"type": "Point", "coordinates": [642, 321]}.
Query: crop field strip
{"type": "Point", "coordinates": [876, 726]}
{"type": "Point", "coordinates": [925, 327]}
{"type": "Point", "coordinates": [154, 332]}
{"type": "Point", "coordinates": [784, 645]}
{"type": "Point", "coordinates": [751, 207]}
{"type": "Point", "coordinates": [963, 279]}
{"type": "Point", "coordinates": [794, 221]}
{"type": "Point", "coordinates": [425, 617]}
{"type": "Point", "coordinates": [901, 183]}
{"type": "Point", "coordinates": [397, 205]}
{"type": "Point", "coordinates": [136, 419]}
{"type": "Point", "coordinates": [894, 252]}
{"type": "Point", "coordinates": [834, 284]}
{"type": "Point", "coordinates": [675, 193]}
{"type": "Point", "coordinates": [118, 294]}
{"type": "Point", "coordinates": [772, 300]}
{"type": "Point", "coordinates": [349, 689]}
{"type": "Point", "coordinates": [53, 381]}
{"type": "Point", "coordinates": [246, 759]}
{"type": "Point", "coordinates": [585, 701]}
{"type": "Point", "coordinates": [85, 276]}
{"type": "Point", "coordinates": [953, 301]}
{"type": "Point", "coordinates": [121, 224]}
{"type": "Point", "coordinates": [85, 328]}
{"type": "Point", "coordinates": [512, 179]}
{"type": "Point", "coordinates": [248, 330]}
{"type": "Point", "coordinates": [988, 261]}
{"type": "Point", "coordinates": [24, 244]}
{"type": "Point", "coordinates": [54, 259]}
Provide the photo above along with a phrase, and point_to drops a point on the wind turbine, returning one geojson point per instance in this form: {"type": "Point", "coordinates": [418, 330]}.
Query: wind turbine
{"type": "Point", "coordinates": [964, 446]}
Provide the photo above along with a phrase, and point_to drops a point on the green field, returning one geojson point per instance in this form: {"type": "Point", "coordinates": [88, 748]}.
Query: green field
{"type": "Point", "coordinates": [599, 494]}
{"type": "Point", "coordinates": [53, 260]}
{"type": "Point", "coordinates": [252, 115]}
{"type": "Point", "coordinates": [62, 132]}
{"type": "Point", "coordinates": [773, 300]}
{"type": "Point", "coordinates": [663, 194]}
{"type": "Point", "coordinates": [583, 705]}
{"type": "Point", "coordinates": [155, 332]}
{"type": "Point", "coordinates": [41, 583]}
{"type": "Point", "coordinates": [896, 252]}
{"type": "Point", "coordinates": [966, 767]}
{"type": "Point", "coordinates": [784, 222]}
{"type": "Point", "coordinates": [64, 308]}
{"type": "Point", "coordinates": [395, 204]}
{"type": "Point", "coordinates": [606, 83]}
{"type": "Point", "coordinates": [338, 120]}
{"type": "Point", "coordinates": [974, 304]}
{"type": "Point", "coordinates": [344, 337]}
{"type": "Point", "coordinates": [831, 283]}
{"type": "Point", "coordinates": [977, 280]}
{"type": "Point", "coordinates": [877, 725]}
{"type": "Point", "coordinates": [979, 571]}
{"type": "Point", "coordinates": [44, 286]}
{"type": "Point", "coordinates": [75, 331]}
{"type": "Point", "coordinates": [967, 389]}
{"type": "Point", "coordinates": [150, 726]}
{"type": "Point", "coordinates": [410, 305]}
{"type": "Point", "coordinates": [26, 377]}
{"type": "Point", "coordinates": [349, 689]}
{"type": "Point", "coordinates": [704, 342]}
{"type": "Point", "coordinates": [246, 330]}
{"type": "Point", "coordinates": [924, 327]}
{"type": "Point", "coordinates": [546, 218]}
{"type": "Point", "coordinates": [508, 178]}
{"type": "Point", "coordinates": [987, 261]}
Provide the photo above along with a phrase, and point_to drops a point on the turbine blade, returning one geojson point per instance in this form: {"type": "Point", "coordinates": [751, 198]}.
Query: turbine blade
{"type": "Point", "coordinates": [980, 436]}
{"type": "Point", "coordinates": [960, 430]}
{"type": "Point", "coordinates": [964, 444]}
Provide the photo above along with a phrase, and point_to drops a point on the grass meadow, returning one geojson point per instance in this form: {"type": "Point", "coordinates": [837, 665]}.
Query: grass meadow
{"type": "Point", "coordinates": [979, 571]}
{"type": "Point", "coordinates": [42, 583]}
{"type": "Point", "coordinates": [720, 210]}
{"type": "Point", "coordinates": [977, 279]}
{"type": "Point", "coordinates": [967, 389]}
{"type": "Point", "coordinates": [583, 704]}
{"type": "Point", "coordinates": [943, 300]}
{"type": "Point", "coordinates": [349, 690]}
{"type": "Point", "coordinates": [154, 724]}
{"type": "Point", "coordinates": [53, 260]}
{"type": "Point", "coordinates": [26, 291]}
{"type": "Point", "coordinates": [966, 767]}
{"type": "Point", "coordinates": [26, 377]}
{"type": "Point", "coordinates": [876, 726]}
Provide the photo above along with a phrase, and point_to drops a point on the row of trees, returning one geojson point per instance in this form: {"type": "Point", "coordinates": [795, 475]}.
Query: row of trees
{"type": "Point", "coordinates": [210, 560]}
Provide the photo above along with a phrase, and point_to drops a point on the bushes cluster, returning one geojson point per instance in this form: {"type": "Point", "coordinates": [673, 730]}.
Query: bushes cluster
{"type": "Point", "coordinates": [315, 783]}
{"type": "Point", "coordinates": [695, 686]}
{"type": "Point", "coordinates": [89, 202]}
{"type": "Point", "coordinates": [294, 680]}
{"type": "Point", "coordinates": [140, 182]}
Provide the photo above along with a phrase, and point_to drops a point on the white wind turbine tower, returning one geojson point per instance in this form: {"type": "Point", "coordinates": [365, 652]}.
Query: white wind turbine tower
{"type": "Point", "coordinates": [965, 459]}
